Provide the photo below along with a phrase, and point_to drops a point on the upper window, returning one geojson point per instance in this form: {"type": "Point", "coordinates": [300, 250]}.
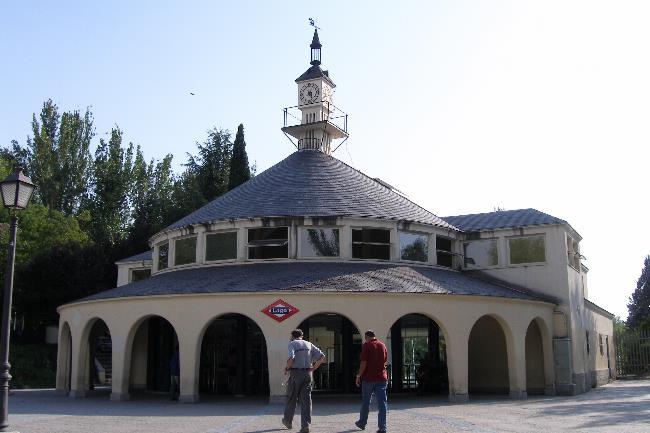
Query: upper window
{"type": "Point", "coordinates": [481, 253]}
{"type": "Point", "coordinates": [268, 243]}
{"type": "Point", "coordinates": [444, 254]}
{"type": "Point", "coordinates": [414, 246]}
{"type": "Point", "coordinates": [139, 274]}
{"type": "Point", "coordinates": [371, 244]}
{"type": "Point", "coordinates": [573, 253]}
{"type": "Point", "coordinates": [320, 243]}
{"type": "Point", "coordinates": [220, 246]}
{"type": "Point", "coordinates": [600, 344]}
{"type": "Point", "coordinates": [163, 256]}
{"type": "Point", "coordinates": [185, 251]}
{"type": "Point", "coordinates": [529, 249]}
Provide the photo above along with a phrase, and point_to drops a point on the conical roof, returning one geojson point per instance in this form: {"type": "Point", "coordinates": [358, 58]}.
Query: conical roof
{"type": "Point", "coordinates": [311, 184]}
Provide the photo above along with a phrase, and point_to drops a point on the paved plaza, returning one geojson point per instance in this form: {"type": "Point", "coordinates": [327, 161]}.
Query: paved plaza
{"type": "Point", "coordinates": [618, 407]}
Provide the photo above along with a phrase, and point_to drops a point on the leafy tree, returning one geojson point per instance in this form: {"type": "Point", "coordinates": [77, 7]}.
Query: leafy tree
{"type": "Point", "coordinates": [152, 206]}
{"type": "Point", "coordinates": [416, 251]}
{"type": "Point", "coordinates": [639, 304]}
{"type": "Point", "coordinates": [111, 186]}
{"type": "Point", "coordinates": [240, 171]}
{"type": "Point", "coordinates": [57, 157]}
{"type": "Point", "coordinates": [209, 170]}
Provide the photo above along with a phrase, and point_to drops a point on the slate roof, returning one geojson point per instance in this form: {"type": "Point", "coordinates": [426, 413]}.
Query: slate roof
{"type": "Point", "coordinates": [315, 71]}
{"type": "Point", "coordinates": [144, 256]}
{"type": "Point", "coordinates": [311, 184]}
{"type": "Point", "coordinates": [316, 277]}
{"type": "Point", "coordinates": [502, 219]}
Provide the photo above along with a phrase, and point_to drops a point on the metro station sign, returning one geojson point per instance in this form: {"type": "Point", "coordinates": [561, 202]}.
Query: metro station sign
{"type": "Point", "coordinates": [280, 310]}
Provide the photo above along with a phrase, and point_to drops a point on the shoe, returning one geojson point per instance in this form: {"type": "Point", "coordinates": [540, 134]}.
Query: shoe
{"type": "Point", "coordinates": [359, 425]}
{"type": "Point", "coordinates": [286, 423]}
{"type": "Point", "coordinates": [381, 431]}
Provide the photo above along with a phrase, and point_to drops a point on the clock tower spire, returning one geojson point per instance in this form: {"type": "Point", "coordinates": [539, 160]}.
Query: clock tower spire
{"type": "Point", "coordinates": [320, 121]}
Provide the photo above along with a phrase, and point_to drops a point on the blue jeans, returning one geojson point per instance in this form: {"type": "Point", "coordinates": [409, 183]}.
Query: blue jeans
{"type": "Point", "coordinates": [367, 390]}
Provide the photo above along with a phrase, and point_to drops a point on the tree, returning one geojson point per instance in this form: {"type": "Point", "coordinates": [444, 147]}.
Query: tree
{"type": "Point", "coordinates": [240, 171]}
{"type": "Point", "coordinates": [58, 157]}
{"type": "Point", "coordinates": [111, 185]}
{"type": "Point", "coordinates": [209, 170]}
{"type": "Point", "coordinates": [639, 304]}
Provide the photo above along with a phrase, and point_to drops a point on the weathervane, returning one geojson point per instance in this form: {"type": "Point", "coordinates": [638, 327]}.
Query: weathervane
{"type": "Point", "coordinates": [312, 22]}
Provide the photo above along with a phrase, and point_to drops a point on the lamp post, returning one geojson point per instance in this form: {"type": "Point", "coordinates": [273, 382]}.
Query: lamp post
{"type": "Point", "coordinates": [16, 191]}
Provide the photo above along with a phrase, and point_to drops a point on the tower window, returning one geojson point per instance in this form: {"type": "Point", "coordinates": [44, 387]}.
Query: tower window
{"type": "Point", "coordinates": [185, 251]}
{"type": "Point", "coordinates": [444, 254]}
{"type": "Point", "coordinates": [163, 256]}
{"type": "Point", "coordinates": [414, 247]}
{"type": "Point", "coordinates": [268, 243]}
{"type": "Point", "coordinates": [481, 253]}
{"type": "Point", "coordinates": [320, 242]}
{"type": "Point", "coordinates": [529, 249]}
{"type": "Point", "coordinates": [221, 246]}
{"type": "Point", "coordinates": [371, 244]}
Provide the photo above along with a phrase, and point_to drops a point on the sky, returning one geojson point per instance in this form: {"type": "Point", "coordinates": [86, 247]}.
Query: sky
{"type": "Point", "coordinates": [465, 106]}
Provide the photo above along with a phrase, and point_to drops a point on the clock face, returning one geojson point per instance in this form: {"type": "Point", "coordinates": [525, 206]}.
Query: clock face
{"type": "Point", "coordinates": [309, 94]}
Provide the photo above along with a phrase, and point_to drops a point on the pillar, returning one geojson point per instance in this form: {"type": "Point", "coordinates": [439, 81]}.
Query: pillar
{"type": "Point", "coordinates": [79, 360]}
{"type": "Point", "coordinates": [121, 363]}
{"type": "Point", "coordinates": [457, 340]}
{"type": "Point", "coordinates": [517, 361]}
{"type": "Point", "coordinates": [189, 351]}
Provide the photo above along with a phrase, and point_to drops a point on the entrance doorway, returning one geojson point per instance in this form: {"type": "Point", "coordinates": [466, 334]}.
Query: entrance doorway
{"type": "Point", "coordinates": [233, 358]}
{"type": "Point", "coordinates": [153, 347]}
{"type": "Point", "coordinates": [488, 358]}
{"type": "Point", "coordinates": [100, 356]}
{"type": "Point", "coordinates": [417, 359]}
{"type": "Point", "coordinates": [340, 341]}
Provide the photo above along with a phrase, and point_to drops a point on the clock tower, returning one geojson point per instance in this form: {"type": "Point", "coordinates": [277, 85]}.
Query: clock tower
{"type": "Point", "coordinates": [320, 121]}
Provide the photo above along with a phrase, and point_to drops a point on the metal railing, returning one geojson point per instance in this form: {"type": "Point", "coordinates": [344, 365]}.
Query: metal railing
{"type": "Point", "coordinates": [633, 352]}
{"type": "Point", "coordinates": [336, 117]}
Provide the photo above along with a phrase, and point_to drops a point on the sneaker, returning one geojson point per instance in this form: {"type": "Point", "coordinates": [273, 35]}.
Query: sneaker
{"type": "Point", "coordinates": [286, 423]}
{"type": "Point", "coordinates": [359, 425]}
{"type": "Point", "coordinates": [381, 431]}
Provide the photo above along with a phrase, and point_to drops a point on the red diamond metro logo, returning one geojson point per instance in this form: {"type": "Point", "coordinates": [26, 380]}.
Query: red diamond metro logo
{"type": "Point", "coordinates": [280, 310]}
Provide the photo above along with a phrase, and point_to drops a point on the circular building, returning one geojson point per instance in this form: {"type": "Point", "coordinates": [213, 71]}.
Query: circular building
{"type": "Point", "coordinates": [484, 303]}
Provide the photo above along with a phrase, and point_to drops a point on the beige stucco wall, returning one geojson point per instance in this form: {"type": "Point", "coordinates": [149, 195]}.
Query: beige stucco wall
{"type": "Point", "coordinates": [596, 366]}
{"type": "Point", "coordinates": [190, 315]}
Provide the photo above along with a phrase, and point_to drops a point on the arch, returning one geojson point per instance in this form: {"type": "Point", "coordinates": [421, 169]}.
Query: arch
{"type": "Point", "coordinates": [96, 351]}
{"type": "Point", "coordinates": [339, 339]}
{"type": "Point", "coordinates": [417, 355]}
{"type": "Point", "coordinates": [535, 379]}
{"type": "Point", "coordinates": [151, 342]}
{"type": "Point", "coordinates": [64, 360]}
{"type": "Point", "coordinates": [489, 349]}
{"type": "Point", "coordinates": [233, 357]}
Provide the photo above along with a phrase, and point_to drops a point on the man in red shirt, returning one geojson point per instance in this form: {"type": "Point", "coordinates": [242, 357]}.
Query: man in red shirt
{"type": "Point", "coordinates": [373, 379]}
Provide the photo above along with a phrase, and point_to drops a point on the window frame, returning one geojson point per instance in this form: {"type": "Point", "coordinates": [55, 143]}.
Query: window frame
{"type": "Point", "coordinates": [532, 235]}
{"type": "Point", "coordinates": [413, 232]}
{"type": "Point", "coordinates": [287, 243]}
{"type": "Point", "coordinates": [466, 242]}
{"type": "Point", "coordinates": [219, 232]}
{"type": "Point", "coordinates": [131, 270]}
{"type": "Point", "coordinates": [158, 262]}
{"type": "Point", "coordinates": [196, 245]}
{"type": "Point", "coordinates": [302, 232]}
{"type": "Point", "coordinates": [389, 244]}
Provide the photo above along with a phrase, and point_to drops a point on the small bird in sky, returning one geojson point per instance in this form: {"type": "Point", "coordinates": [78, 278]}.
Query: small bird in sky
{"type": "Point", "coordinates": [191, 93]}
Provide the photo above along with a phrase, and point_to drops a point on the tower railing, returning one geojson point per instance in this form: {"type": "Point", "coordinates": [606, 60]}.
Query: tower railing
{"type": "Point", "coordinates": [337, 117]}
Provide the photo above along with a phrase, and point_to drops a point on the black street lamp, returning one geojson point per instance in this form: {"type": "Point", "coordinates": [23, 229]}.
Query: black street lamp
{"type": "Point", "coordinates": [17, 190]}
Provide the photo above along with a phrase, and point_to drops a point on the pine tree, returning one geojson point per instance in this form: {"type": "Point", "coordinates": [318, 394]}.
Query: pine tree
{"type": "Point", "coordinates": [639, 305]}
{"type": "Point", "coordinates": [240, 171]}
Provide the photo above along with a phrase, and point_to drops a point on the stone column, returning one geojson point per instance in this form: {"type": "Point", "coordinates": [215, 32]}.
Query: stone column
{"type": "Point", "coordinates": [457, 361]}
{"type": "Point", "coordinates": [189, 347]}
{"type": "Point", "coordinates": [517, 362]}
{"type": "Point", "coordinates": [79, 361]}
{"type": "Point", "coordinates": [121, 364]}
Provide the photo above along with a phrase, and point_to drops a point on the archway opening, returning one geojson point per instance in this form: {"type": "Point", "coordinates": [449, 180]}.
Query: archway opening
{"type": "Point", "coordinates": [488, 358]}
{"type": "Point", "coordinates": [535, 382]}
{"type": "Point", "coordinates": [152, 350]}
{"type": "Point", "coordinates": [340, 341]}
{"type": "Point", "coordinates": [417, 359]}
{"type": "Point", "coordinates": [100, 357]}
{"type": "Point", "coordinates": [233, 358]}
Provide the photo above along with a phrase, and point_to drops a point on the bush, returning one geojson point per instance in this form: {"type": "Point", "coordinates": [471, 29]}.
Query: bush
{"type": "Point", "coordinates": [32, 366]}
